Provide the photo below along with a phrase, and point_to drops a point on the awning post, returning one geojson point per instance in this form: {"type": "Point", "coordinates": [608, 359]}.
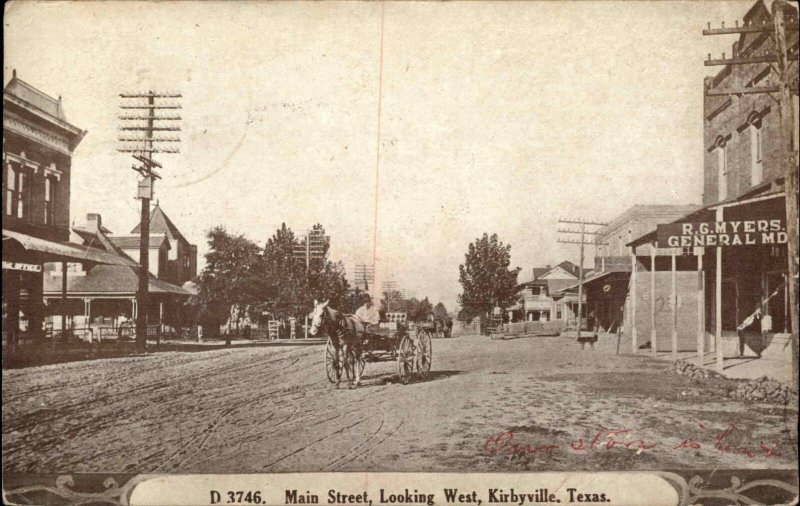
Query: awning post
{"type": "Point", "coordinates": [674, 299]}
{"type": "Point", "coordinates": [653, 333]}
{"type": "Point", "coordinates": [718, 303]}
{"type": "Point", "coordinates": [700, 309]}
{"type": "Point", "coordinates": [633, 295]}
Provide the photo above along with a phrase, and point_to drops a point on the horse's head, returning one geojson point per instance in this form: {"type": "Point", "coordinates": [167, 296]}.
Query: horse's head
{"type": "Point", "coordinates": [317, 316]}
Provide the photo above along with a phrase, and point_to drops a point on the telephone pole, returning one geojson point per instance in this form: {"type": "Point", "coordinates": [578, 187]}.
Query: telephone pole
{"type": "Point", "coordinates": [582, 242]}
{"type": "Point", "coordinates": [787, 85]}
{"type": "Point", "coordinates": [310, 247]}
{"type": "Point", "coordinates": [143, 115]}
{"type": "Point", "coordinates": [365, 274]}
{"type": "Point", "coordinates": [390, 288]}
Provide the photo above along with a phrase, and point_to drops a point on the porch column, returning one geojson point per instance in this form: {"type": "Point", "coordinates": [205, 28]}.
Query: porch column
{"type": "Point", "coordinates": [161, 315]}
{"type": "Point", "coordinates": [674, 299]}
{"type": "Point", "coordinates": [87, 312]}
{"type": "Point", "coordinates": [718, 303]}
{"type": "Point", "coordinates": [134, 309]}
{"type": "Point", "coordinates": [700, 309]}
{"type": "Point", "coordinates": [653, 333]}
{"type": "Point", "coordinates": [63, 298]}
{"type": "Point", "coordinates": [633, 294]}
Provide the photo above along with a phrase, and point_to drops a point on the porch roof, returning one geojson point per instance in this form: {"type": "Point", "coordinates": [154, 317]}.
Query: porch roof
{"type": "Point", "coordinates": [109, 279]}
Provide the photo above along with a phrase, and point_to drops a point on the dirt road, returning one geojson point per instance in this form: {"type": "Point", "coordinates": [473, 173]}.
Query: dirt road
{"type": "Point", "coordinates": [267, 409]}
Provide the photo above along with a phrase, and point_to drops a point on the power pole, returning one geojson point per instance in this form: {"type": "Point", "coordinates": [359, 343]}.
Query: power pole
{"type": "Point", "coordinates": [310, 247]}
{"type": "Point", "coordinates": [141, 118]}
{"type": "Point", "coordinates": [390, 287]}
{"type": "Point", "coordinates": [786, 86]}
{"type": "Point", "coordinates": [365, 274]}
{"type": "Point", "coordinates": [582, 232]}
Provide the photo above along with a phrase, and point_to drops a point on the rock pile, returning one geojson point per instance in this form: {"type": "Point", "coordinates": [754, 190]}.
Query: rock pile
{"type": "Point", "coordinates": [764, 389]}
{"type": "Point", "coordinates": [688, 369]}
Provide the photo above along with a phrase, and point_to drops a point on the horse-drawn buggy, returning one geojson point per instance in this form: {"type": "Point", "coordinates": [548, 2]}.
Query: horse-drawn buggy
{"type": "Point", "coordinates": [349, 348]}
{"type": "Point", "coordinates": [436, 328]}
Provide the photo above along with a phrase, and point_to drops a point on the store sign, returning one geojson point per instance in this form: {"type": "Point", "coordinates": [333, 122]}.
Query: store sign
{"type": "Point", "coordinates": [17, 266]}
{"type": "Point", "coordinates": [722, 233]}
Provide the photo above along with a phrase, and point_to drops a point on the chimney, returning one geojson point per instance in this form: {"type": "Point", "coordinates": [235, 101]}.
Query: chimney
{"type": "Point", "coordinates": [547, 266]}
{"type": "Point", "coordinates": [93, 222]}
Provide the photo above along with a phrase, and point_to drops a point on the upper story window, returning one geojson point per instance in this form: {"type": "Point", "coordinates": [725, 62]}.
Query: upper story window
{"type": "Point", "coordinates": [756, 154]}
{"type": "Point", "coordinates": [16, 192]}
{"type": "Point", "coordinates": [722, 171]}
{"type": "Point", "coordinates": [49, 200]}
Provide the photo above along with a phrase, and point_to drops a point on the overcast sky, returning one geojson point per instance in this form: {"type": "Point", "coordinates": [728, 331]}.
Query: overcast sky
{"type": "Point", "coordinates": [495, 117]}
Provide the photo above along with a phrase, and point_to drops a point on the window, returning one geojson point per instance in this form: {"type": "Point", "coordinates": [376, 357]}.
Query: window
{"type": "Point", "coordinates": [49, 200]}
{"type": "Point", "coordinates": [16, 192]}
{"type": "Point", "coordinates": [756, 156]}
{"type": "Point", "coordinates": [10, 189]}
{"type": "Point", "coordinates": [722, 172]}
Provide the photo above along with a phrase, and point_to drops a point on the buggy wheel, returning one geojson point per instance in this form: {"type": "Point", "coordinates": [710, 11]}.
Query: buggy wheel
{"type": "Point", "coordinates": [333, 362]}
{"type": "Point", "coordinates": [405, 360]}
{"type": "Point", "coordinates": [424, 354]}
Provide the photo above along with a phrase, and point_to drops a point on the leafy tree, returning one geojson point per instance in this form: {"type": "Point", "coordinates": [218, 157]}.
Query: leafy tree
{"type": "Point", "coordinates": [292, 287]}
{"type": "Point", "coordinates": [392, 299]}
{"type": "Point", "coordinates": [231, 280]}
{"type": "Point", "coordinates": [440, 312]}
{"type": "Point", "coordinates": [420, 310]}
{"type": "Point", "coordinates": [486, 278]}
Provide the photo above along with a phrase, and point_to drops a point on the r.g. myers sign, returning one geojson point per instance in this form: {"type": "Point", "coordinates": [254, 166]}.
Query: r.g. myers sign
{"type": "Point", "coordinates": [722, 233]}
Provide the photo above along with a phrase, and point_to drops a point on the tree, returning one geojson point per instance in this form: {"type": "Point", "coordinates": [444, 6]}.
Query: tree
{"type": "Point", "coordinates": [440, 312]}
{"type": "Point", "coordinates": [392, 299]}
{"type": "Point", "coordinates": [292, 287]}
{"type": "Point", "coordinates": [231, 281]}
{"type": "Point", "coordinates": [486, 278]}
{"type": "Point", "coordinates": [420, 310]}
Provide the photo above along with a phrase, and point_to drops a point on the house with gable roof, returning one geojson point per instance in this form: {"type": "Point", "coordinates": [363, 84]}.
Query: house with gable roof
{"type": "Point", "coordinates": [101, 297]}
{"type": "Point", "coordinates": [541, 299]}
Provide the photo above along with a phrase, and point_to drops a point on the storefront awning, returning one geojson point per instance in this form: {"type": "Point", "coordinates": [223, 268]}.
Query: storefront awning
{"type": "Point", "coordinates": [51, 251]}
{"type": "Point", "coordinates": [764, 192]}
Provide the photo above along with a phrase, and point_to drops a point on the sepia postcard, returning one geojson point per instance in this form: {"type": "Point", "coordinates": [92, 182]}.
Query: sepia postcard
{"type": "Point", "coordinates": [404, 253]}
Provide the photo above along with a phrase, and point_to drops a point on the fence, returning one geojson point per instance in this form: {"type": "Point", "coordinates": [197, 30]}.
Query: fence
{"type": "Point", "coordinates": [540, 327]}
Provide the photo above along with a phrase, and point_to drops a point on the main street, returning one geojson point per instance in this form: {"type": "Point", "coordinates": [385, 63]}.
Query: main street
{"type": "Point", "coordinates": [264, 409]}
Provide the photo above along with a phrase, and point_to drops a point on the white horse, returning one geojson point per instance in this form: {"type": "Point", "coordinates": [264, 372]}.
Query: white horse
{"type": "Point", "coordinates": [344, 335]}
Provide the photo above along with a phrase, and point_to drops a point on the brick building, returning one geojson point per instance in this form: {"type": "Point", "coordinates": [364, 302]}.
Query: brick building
{"type": "Point", "coordinates": [741, 132]}
{"type": "Point", "coordinates": [742, 286]}
{"type": "Point", "coordinates": [38, 143]}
